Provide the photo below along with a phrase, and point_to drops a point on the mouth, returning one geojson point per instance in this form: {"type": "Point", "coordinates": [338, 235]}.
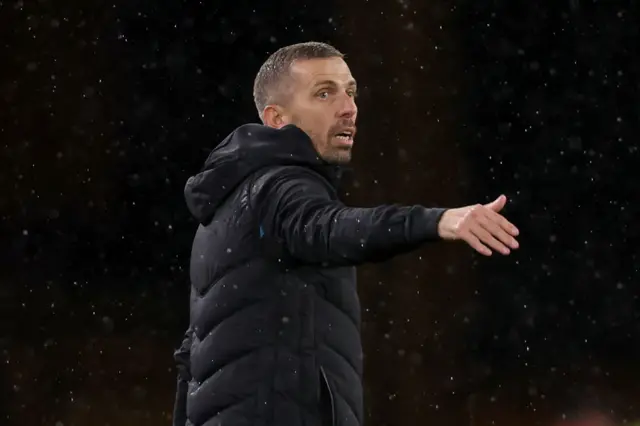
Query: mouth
{"type": "Point", "coordinates": [345, 137]}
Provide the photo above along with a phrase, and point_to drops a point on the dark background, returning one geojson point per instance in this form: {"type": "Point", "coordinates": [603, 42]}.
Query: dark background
{"type": "Point", "coordinates": [108, 107]}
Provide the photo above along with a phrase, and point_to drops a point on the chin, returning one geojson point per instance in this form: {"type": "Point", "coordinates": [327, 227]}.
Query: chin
{"type": "Point", "coordinates": [339, 158]}
{"type": "Point", "coordinates": [345, 158]}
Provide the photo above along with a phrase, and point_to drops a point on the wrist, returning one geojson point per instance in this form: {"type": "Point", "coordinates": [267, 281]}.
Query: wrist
{"type": "Point", "coordinates": [445, 228]}
{"type": "Point", "coordinates": [424, 224]}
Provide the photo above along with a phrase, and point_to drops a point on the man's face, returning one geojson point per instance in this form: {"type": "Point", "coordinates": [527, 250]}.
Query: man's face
{"type": "Point", "coordinates": [321, 102]}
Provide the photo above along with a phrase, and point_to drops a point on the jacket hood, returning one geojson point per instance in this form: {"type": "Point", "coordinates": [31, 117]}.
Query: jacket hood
{"type": "Point", "coordinates": [246, 150]}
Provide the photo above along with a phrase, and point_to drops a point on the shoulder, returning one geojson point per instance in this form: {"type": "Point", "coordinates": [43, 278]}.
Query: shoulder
{"type": "Point", "coordinates": [288, 176]}
{"type": "Point", "coordinates": [272, 183]}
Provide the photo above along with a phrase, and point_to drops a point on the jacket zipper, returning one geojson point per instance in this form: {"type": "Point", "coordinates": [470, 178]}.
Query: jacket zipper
{"type": "Point", "coordinates": [330, 392]}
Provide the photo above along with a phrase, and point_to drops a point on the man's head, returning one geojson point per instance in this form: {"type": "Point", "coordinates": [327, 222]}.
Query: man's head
{"type": "Point", "coordinates": [310, 85]}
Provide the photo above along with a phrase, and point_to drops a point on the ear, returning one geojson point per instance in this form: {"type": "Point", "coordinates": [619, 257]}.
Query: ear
{"type": "Point", "coordinates": [273, 116]}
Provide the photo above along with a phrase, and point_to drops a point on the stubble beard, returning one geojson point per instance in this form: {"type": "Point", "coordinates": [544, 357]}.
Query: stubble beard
{"type": "Point", "coordinates": [337, 155]}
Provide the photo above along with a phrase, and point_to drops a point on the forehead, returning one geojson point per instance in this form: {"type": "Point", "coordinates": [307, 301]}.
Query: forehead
{"type": "Point", "coordinates": [310, 71]}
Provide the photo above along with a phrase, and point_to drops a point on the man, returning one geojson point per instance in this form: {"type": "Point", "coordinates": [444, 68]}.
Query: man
{"type": "Point", "coordinates": [274, 327]}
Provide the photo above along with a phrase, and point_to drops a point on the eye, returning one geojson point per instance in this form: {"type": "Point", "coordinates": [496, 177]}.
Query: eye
{"type": "Point", "coordinates": [323, 94]}
{"type": "Point", "coordinates": [352, 93]}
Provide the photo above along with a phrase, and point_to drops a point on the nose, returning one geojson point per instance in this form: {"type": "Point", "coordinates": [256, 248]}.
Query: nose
{"type": "Point", "coordinates": [348, 107]}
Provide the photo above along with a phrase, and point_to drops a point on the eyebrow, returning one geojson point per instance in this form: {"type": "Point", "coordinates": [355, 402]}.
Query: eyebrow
{"type": "Point", "coordinates": [351, 83]}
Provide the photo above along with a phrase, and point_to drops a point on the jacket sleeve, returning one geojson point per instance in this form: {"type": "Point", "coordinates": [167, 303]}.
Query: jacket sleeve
{"type": "Point", "coordinates": [300, 212]}
{"type": "Point", "coordinates": [181, 356]}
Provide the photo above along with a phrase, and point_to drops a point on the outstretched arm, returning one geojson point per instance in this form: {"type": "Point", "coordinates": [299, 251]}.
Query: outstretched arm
{"type": "Point", "coordinates": [300, 211]}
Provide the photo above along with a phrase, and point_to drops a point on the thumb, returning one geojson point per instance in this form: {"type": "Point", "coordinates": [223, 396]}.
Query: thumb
{"type": "Point", "coordinates": [498, 204]}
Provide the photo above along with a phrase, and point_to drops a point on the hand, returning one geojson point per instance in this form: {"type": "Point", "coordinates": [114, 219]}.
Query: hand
{"type": "Point", "coordinates": [481, 226]}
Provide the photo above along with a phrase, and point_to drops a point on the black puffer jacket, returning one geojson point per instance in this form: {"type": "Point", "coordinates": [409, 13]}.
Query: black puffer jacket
{"type": "Point", "coordinates": [274, 335]}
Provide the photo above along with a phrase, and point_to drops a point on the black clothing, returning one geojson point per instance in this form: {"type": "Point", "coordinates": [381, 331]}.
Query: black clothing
{"type": "Point", "coordinates": [274, 335]}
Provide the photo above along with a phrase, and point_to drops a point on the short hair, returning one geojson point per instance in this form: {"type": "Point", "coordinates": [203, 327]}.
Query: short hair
{"type": "Point", "coordinates": [267, 85]}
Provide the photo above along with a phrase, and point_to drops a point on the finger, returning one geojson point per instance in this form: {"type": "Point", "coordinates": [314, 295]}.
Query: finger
{"type": "Point", "coordinates": [498, 204]}
{"type": "Point", "coordinates": [488, 239]}
{"type": "Point", "coordinates": [475, 243]}
{"type": "Point", "coordinates": [502, 222]}
{"type": "Point", "coordinates": [495, 225]}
